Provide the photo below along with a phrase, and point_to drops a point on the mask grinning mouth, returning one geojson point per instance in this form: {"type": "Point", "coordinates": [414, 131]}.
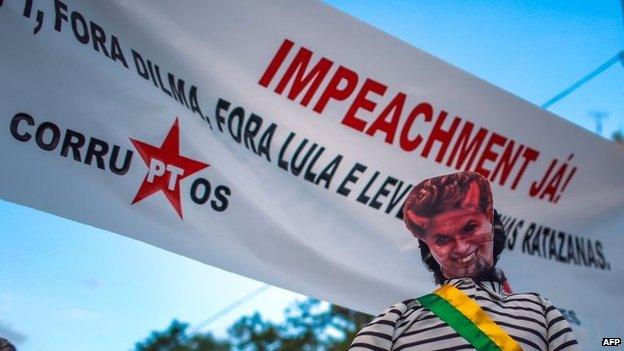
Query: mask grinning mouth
{"type": "Point", "coordinates": [466, 258]}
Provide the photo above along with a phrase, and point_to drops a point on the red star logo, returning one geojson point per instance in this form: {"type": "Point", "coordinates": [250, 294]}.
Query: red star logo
{"type": "Point", "coordinates": [166, 168]}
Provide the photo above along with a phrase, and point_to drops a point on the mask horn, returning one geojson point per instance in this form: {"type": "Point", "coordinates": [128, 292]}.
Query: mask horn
{"type": "Point", "coordinates": [472, 197]}
{"type": "Point", "coordinates": [416, 219]}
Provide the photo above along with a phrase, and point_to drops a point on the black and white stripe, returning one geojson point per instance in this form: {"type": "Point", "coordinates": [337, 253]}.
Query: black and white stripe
{"type": "Point", "coordinates": [528, 318]}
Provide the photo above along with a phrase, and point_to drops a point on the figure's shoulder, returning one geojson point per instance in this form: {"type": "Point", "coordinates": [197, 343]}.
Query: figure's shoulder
{"type": "Point", "coordinates": [560, 335]}
{"type": "Point", "coordinates": [410, 304]}
{"type": "Point", "coordinates": [534, 299]}
{"type": "Point", "coordinates": [547, 305]}
{"type": "Point", "coordinates": [400, 309]}
{"type": "Point", "coordinates": [389, 324]}
{"type": "Point", "coordinates": [396, 313]}
{"type": "Point", "coordinates": [526, 295]}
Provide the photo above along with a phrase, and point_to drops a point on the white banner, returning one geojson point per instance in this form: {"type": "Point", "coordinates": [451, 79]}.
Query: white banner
{"type": "Point", "coordinates": [279, 140]}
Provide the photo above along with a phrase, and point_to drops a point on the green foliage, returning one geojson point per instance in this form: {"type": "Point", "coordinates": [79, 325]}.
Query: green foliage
{"type": "Point", "coordinates": [308, 325]}
{"type": "Point", "coordinates": [174, 339]}
{"type": "Point", "coordinates": [253, 333]}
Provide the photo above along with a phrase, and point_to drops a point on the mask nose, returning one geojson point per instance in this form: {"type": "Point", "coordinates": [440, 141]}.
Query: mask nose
{"type": "Point", "coordinates": [462, 248]}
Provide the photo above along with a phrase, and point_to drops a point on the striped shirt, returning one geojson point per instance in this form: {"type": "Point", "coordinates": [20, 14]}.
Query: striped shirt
{"type": "Point", "coordinates": [529, 318]}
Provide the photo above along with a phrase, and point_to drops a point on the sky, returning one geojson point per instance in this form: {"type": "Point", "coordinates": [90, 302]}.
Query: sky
{"type": "Point", "coordinates": [68, 286]}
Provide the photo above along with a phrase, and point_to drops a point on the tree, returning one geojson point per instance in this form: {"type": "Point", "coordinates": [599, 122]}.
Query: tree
{"type": "Point", "coordinates": [253, 333]}
{"type": "Point", "coordinates": [174, 339]}
{"type": "Point", "coordinates": [618, 136]}
{"type": "Point", "coordinates": [308, 325]}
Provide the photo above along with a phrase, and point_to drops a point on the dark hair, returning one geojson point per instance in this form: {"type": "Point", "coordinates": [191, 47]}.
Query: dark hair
{"type": "Point", "coordinates": [5, 345]}
{"type": "Point", "coordinates": [491, 274]}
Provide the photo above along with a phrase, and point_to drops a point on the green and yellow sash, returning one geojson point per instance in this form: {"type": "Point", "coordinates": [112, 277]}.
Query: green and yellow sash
{"type": "Point", "coordinates": [464, 315]}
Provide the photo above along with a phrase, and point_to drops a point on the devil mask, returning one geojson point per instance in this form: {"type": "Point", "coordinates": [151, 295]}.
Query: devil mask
{"type": "Point", "coordinates": [453, 215]}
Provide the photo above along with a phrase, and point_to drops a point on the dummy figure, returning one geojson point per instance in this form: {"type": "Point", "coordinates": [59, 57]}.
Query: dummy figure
{"type": "Point", "coordinates": [461, 237]}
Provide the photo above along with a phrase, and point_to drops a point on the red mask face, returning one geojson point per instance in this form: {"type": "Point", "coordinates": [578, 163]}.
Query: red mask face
{"type": "Point", "coordinates": [461, 241]}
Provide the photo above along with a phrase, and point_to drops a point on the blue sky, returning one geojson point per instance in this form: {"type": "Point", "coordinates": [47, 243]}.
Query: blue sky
{"type": "Point", "coordinates": [67, 286]}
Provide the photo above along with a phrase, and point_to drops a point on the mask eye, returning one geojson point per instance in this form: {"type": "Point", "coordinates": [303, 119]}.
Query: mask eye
{"type": "Point", "coordinates": [469, 228]}
{"type": "Point", "coordinates": [441, 240]}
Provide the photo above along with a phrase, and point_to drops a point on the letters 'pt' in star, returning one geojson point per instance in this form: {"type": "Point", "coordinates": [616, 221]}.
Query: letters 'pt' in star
{"type": "Point", "coordinates": [166, 168]}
